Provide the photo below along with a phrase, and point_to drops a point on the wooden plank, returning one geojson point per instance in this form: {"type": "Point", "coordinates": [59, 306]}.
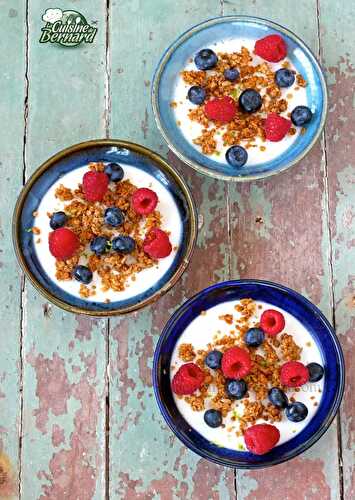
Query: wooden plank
{"type": "Point", "coordinates": [146, 461]}
{"type": "Point", "coordinates": [337, 42]}
{"type": "Point", "coordinates": [12, 90]}
{"type": "Point", "coordinates": [64, 356]}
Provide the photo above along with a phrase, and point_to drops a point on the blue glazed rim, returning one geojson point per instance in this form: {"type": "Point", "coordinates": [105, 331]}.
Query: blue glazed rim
{"type": "Point", "coordinates": [28, 201]}
{"type": "Point", "coordinates": [286, 451]}
{"type": "Point", "coordinates": [197, 165]}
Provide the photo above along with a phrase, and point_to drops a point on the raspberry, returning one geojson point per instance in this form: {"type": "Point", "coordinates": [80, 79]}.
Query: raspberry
{"type": "Point", "coordinates": [261, 438]}
{"type": "Point", "coordinates": [236, 362]}
{"type": "Point", "coordinates": [294, 374]}
{"type": "Point", "coordinates": [144, 201]}
{"type": "Point", "coordinates": [221, 109]}
{"type": "Point", "coordinates": [95, 185]}
{"type": "Point", "coordinates": [272, 322]}
{"type": "Point", "coordinates": [157, 244]}
{"type": "Point", "coordinates": [272, 48]}
{"type": "Point", "coordinates": [63, 243]}
{"type": "Point", "coordinates": [276, 127]}
{"type": "Point", "coordinates": [187, 379]}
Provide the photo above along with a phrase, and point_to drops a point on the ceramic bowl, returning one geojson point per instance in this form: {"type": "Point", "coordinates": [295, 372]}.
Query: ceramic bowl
{"type": "Point", "coordinates": [73, 158]}
{"type": "Point", "coordinates": [309, 316]}
{"type": "Point", "coordinates": [205, 35]}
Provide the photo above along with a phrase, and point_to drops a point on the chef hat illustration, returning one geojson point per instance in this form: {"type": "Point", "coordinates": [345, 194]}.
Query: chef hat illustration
{"type": "Point", "coordinates": [52, 15]}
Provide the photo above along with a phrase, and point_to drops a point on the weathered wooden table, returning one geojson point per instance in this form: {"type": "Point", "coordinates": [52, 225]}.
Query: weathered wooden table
{"type": "Point", "coordinates": [78, 418]}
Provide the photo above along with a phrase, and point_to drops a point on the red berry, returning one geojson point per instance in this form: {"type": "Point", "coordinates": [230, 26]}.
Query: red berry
{"type": "Point", "coordinates": [187, 379]}
{"type": "Point", "coordinates": [261, 438]}
{"type": "Point", "coordinates": [157, 244]}
{"type": "Point", "coordinates": [221, 109]}
{"type": "Point", "coordinates": [272, 322]}
{"type": "Point", "coordinates": [276, 127]}
{"type": "Point", "coordinates": [294, 374]}
{"type": "Point", "coordinates": [95, 185]}
{"type": "Point", "coordinates": [144, 201]}
{"type": "Point", "coordinates": [236, 362]}
{"type": "Point", "coordinates": [272, 48]}
{"type": "Point", "coordinates": [63, 243]}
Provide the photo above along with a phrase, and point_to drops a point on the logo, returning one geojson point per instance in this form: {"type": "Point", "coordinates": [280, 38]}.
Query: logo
{"type": "Point", "coordinates": [66, 27]}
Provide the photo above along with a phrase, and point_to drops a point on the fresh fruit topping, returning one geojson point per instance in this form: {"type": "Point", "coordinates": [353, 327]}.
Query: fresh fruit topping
{"type": "Point", "coordinates": [213, 359]}
{"type": "Point", "coordinates": [293, 374]}
{"type": "Point", "coordinates": [63, 243]}
{"type": "Point", "coordinates": [278, 398]}
{"type": "Point", "coordinates": [254, 337]}
{"type": "Point", "coordinates": [236, 362]}
{"type": "Point", "coordinates": [261, 438]}
{"type": "Point", "coordinates": [95, 185]}
{"type": "Point", "coordinates": [231, 74]}
{"type": "Point", "coordinates": [221, 109]}
{"type": "Point", "coordinates": [205, 59]}
{"type": "Point", "coordinates": [272, 48]}
{"type": "Point", "coordinates": [99, 245]}
{"type": "Point", "coordinates": [250, 101]}
{"type": "Point", "coordinates": [284, 77]}
{"type": "Point", "coordinates": [196, 94]}
{"type": "Point", "coordinates": [157, 244]}
{"type": "Point", "coordinates": [58, 219]}
{"type": "Point", "coordinates": [236, 156]}
{"type": "Point", "coordinates": [187, 379]}
{"type": "Point", "coordinates": [296, 412]}
{"type": "Point", "coordinates": [114, 171]}
{"type": "Point", "coordinates": [301, 115]}
{"type": "Point", "coordinates": [276, 127]}
{"type": "Point", "coordinates": [82, 274]}
{"type": "Point", "coordinates": [144, 201]}
{"type": "Point", "coordinates": [236, 389]}
{"type": "Point", "coordinates": [213, 418]}
{"type": "Point", "coordinates": [315, 371]}
{"type": "Point", "coordinates": [272, 322]}
{"type": "Point", "coordinates": [123, 244]}
{"type": "Point", "coordinates": [113, 216]}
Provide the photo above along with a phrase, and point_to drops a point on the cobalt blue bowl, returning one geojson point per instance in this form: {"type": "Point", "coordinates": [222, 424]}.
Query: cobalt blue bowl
{"type": "Point", "coordinates": [205, 35]}
{"type": "Point", "coordinates": [310, 317]}
{"type": "Point", "coordinates": [74, 157]}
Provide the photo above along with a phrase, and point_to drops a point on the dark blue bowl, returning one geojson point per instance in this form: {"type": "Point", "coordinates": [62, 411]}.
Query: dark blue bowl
{"type": "Point", "coordinates": [292, 302]}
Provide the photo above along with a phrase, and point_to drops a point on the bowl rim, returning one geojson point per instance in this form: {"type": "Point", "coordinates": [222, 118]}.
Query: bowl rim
{"type": "Point", "coordinates": [240, 282]}
{"type": "Point", "coordinates": [199, 27]}
{"type": "Point", "coordinates": [137, 148]}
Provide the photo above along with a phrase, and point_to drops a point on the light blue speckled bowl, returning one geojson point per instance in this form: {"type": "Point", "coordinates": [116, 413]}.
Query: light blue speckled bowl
{"type": "Point", "coordinates": [205, 35]}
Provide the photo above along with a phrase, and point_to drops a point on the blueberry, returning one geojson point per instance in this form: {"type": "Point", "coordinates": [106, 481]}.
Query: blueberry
{"type": "Point", "coordinates": [82, 274]}
{"type": "Point", "coordinates": [284, 77]}
{"type": "Point", "coordinates": [58, 219]}
{"type": "Point", "coordinates": [113, 216]}
{"type": "Point", "coordinates": [213, 418]}
{"type": "Point", "coordinates": [206, 59]}
{"type": "Point", "coordinates": [296, 411]}
{"type": "Point", "coordinates": [236, 156]}
{"type": "Point", "coordinates": [254, 337]}
{"type": "Point", "coordinates": [123, 244]}
{"type": "Point", "coordinates": [99, 245]}
{"type": "Point", "coordinates": [213, 359]}
{"type": "Point", "coordinates": [316, 372]}
{"type": "Point", "coordinates": [250, 101]}
{"type": "Point", "coordinates": [231, 74]}
{"type": "Point", "coordinates": [236, 389]}
{"type": "Point", "coordinates": [196, 94]}
{"type": "Point", "coordinates": [301, 115]}
{"type": "Point", "coordinates": [278, 398]}
{"type": "Point", "coordinates": [114, 171]}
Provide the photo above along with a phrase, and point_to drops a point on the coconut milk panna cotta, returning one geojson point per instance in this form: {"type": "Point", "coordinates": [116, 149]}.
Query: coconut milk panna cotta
{"type": "Point", "coordinates": [247, 375]}
{"type": "Point", "coordinates": [242, 101]}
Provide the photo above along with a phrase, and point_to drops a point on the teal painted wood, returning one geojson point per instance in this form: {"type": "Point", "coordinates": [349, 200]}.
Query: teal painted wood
{"type": "Point", "coordinates": [12, 22]}
{"type": "Point", "coordinates": [64, 374]}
